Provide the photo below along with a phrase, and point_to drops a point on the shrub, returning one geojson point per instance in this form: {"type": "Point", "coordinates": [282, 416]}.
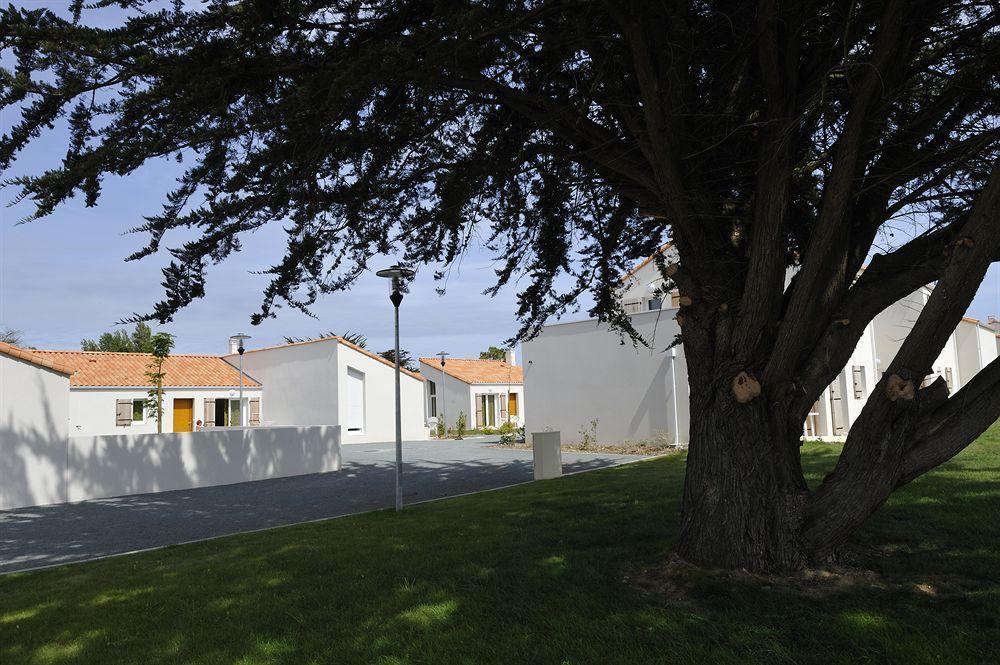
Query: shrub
{"type": "Point", "coordinates": [507, 432]}
{"type": "Point", "coordinates": [460, 425]}
{"type": "Point", "coordinates": [440, 430]}
{"type": "Point", "coordinates": [588, 434]}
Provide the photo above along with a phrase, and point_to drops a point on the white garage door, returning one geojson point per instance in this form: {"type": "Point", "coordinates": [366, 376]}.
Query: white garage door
{"type": "Point", "coordinates": [355, 417]}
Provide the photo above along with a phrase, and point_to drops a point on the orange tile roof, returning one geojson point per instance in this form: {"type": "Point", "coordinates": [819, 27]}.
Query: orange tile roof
{"type": "Point", "coordinates": [340, 340]}
{"type": "Point", "coordinates": [472, 370]}
{"type": "Point", "coordinates": [31, 356]}
{"type": "Point", "coordinates": [101, 368]}
{"type": "Point", "coordinates": [645, 262]}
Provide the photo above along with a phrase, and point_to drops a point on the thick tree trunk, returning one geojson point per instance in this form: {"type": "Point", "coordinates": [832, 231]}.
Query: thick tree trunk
{"type": "Point", "coordinates": [743, 493]}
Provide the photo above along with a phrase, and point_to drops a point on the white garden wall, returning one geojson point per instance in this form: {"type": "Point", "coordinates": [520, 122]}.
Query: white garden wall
{"type": "Point", "coordinates": [104, 466]}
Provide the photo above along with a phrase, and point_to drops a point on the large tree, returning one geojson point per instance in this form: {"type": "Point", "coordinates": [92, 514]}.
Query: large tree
{"type": "Point", "coordinates": [576, 137]}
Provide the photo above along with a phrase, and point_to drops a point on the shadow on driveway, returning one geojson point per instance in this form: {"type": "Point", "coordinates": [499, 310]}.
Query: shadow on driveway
{"type": "Point", "coordinates": [69, 533]}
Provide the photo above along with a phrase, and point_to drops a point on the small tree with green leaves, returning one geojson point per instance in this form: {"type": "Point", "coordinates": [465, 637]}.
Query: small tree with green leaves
{"type": "Point", "coordinates": [160, 345]}
{"type": "Point", "coordinates": [460, 425]}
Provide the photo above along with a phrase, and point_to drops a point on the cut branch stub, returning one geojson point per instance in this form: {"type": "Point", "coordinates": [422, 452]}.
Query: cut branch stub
{"type": "Point", "coordinates": [685, 301]}
{"type": "Point", "coordinates": [899, 388]}
{"type": "Point", "coordinates": [745, 388]}
{"type": "Point", "coordinates": [671, 270]}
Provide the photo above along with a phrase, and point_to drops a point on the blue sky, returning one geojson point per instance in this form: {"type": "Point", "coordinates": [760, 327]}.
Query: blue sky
{"type": "Point", "coordinates": [64, 278]}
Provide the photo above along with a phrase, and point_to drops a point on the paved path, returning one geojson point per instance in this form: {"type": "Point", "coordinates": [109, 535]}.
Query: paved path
{"type": "Point", "coordinates": [66, 533]}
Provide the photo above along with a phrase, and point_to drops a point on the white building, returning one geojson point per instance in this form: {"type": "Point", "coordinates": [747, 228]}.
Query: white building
{"type": "Point", "coordinates": [34, 412]}
{"type": "Point", "coordinates": [330, 381]}
{"type": "Point", "coordinates": [108, 393]}
{"type": "Point", "coordinates": [580, 372]}
{"type": "Point", "coordinates": [488, 392]}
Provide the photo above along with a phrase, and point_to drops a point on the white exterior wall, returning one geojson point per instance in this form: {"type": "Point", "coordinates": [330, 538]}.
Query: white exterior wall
{"type": "Point", "coordinates": [92, 411]}
{"type": "Point", "coordinates": [578, 372]}
{"type": "Point", "coordinates": [893, 324]}
{"type": "Point", "coordinates": [495, 389]}
{"type": "Point", "coordinates": [976, 348]}
{"type": "Point", "coordinates": [380, 399]}
{"type": "Point", "coordinates": [454, 395]}
{"type": "Point", "coordinates": [637, 286]}
{"type": "Point", "coordinates": [34, 417]}
{"type": "Point", "coordinates": [305, 385]}
{"type": "Point", "coordinates": [299, 380]}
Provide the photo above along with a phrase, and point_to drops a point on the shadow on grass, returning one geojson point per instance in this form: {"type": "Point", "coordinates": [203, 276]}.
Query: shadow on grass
{"type": "Point", "coordinates": [529, 574]}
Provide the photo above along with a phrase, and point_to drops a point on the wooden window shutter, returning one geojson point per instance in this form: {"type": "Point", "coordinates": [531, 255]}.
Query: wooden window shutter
{"type": "Point", "coordinates": [209, 412]}
{"type": "Point", "coordinates": [255, 411]}
{"type": "Point", "coordinates": [124, 413]}
{"type": "Point", "coordinates": [858, 376]}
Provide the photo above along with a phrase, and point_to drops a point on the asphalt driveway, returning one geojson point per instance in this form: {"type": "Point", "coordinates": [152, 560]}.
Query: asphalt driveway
{"type": "Point", "coordinates": [69, 533]}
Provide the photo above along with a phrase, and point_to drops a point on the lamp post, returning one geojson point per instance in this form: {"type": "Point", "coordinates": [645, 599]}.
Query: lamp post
{"type": "Point", "coordinates": [239, 337]}
{"type": "Point", "coordinates": [397, 276]}
{"type": "Point", "coordinates": [442, 355]}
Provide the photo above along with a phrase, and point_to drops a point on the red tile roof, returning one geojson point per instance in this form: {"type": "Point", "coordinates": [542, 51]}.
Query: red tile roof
{"type": "Point", "coordinates": [340, 340]}
{"type": "Point", "coordinates": [645, 262]}
{"type": "Point", "coordinates": [101, 368]}
{"type": "Point", "coordinates": [472, 370]}
{"type": "Point", "coordinates": [31, 356]}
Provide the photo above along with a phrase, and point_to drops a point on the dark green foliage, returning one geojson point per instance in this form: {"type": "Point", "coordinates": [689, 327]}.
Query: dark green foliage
{"type": "Point", "coordinates": [11, 336]}
{"type": "Point", "coordinates": [356, 339]}
{"type": "Point", "coordinates": [405, 359]}
{"type": "Point", "coordinates": [139, 341]}
{"type": "Point", "coordinates": [492, 353]}
{"type": "Point", "coordinates": [566, 131]}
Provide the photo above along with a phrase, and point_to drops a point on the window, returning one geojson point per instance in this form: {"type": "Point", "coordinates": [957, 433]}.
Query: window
{"type": "Point", "coordinates": [655, 303]}
{"type": "Point", "coordinates": [355, 411]}
{"type": "Point", "coordinates": [858, 374]}
{"type": "Point", "coordinates": [486, 411]}
{"type": "Point", "coordinates": [234, 413]}
{"type": "Point", "coordinates": [433, 403]}
{"type": "Point", "coordinates": [512, 404]}
{"type": "Point", "coordinates": [632, 306]}
{"type": "Point", "coordinates": [138, 410]}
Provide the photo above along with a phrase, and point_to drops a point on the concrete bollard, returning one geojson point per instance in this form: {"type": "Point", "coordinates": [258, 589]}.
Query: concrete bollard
{"type": "Point", "coordinates": [547, 455]}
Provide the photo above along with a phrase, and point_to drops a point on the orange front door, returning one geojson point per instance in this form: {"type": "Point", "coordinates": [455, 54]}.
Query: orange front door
{"type": "Point", "coordinates": [183, 415]}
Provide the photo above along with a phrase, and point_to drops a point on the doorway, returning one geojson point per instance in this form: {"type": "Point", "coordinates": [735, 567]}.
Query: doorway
{"type": "Point", "coordinates": [486, 411]}
{"type": "Point", "coordinates": [183, 415]}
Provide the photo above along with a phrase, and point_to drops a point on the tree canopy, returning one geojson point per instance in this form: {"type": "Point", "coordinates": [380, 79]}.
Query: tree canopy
{"type": "Point", "coordinates": [140, 340]}
{"type": "Point", "coordinates": [574, 138]}
{"type": "Point", "coordinates": [493, 353]}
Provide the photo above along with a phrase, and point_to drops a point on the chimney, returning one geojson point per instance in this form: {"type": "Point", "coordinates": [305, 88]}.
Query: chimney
{"type": "Point", "coordinates": [234, 345]}
{"type": "Point", "coordinates": [510, 356]}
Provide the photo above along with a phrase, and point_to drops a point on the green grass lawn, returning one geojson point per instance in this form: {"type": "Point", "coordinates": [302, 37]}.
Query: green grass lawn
{"type": "Point", "coordinates": [532, 574]}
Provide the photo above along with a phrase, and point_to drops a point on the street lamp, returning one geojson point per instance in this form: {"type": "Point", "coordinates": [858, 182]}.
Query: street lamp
{"type": "Point", "coordinates": [441, 398]}
{"type": "Point", "coordinates": [238, 338]}
{"type": "Point", "coordinates": [397, 276]}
